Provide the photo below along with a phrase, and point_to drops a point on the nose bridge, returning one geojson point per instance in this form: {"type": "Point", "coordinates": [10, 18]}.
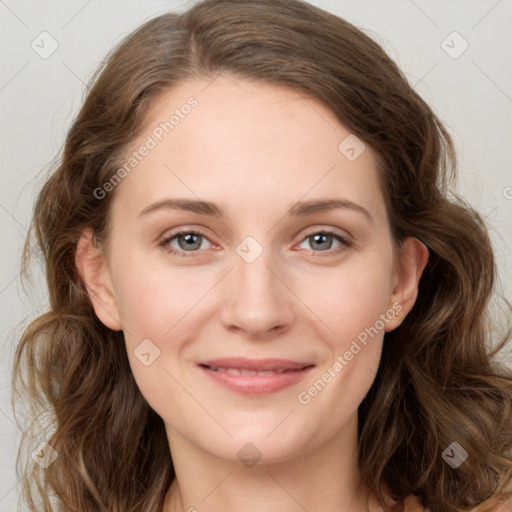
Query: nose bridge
{"type": "Point", "coordinates": [256, 300]}
{"type": "Point", "coordinates": [253, 272]}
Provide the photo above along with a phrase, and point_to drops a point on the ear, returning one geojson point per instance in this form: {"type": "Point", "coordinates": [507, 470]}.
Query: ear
{"type": "Point", "coordinates": [412, 260]}
{"type": "Point", "coordinates": [92, 267]}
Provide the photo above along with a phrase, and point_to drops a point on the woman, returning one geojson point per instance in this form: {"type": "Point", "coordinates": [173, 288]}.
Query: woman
{"type": "Point", "coordinates": [202, 351]}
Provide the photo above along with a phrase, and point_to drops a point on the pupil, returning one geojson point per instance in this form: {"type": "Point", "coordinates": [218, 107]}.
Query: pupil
{"type": "Point", "coordinates": [190, 241]}
{"type": "Point", "coordinates": [318, 238]}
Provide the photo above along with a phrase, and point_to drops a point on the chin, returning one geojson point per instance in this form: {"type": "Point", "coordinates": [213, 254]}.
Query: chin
{"type": "Point", "coordinates": [266, 442]}
{"type": "Point", "coordinates": [257, 452]}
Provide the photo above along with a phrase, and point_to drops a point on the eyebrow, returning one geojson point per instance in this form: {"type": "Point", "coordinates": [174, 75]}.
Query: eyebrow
{"type": "Point", "coordinates": [300, 209]}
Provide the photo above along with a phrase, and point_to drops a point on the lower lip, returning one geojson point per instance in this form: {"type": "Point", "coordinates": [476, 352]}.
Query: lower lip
{"type": "Point", "coordinates": [256, 384]}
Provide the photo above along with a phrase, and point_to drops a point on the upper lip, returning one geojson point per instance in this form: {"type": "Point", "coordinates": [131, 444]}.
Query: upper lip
{"type": "Point", "coordinates": [242, 363]}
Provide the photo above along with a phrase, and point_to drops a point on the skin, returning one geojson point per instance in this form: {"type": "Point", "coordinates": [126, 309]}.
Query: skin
{"type": "Point", "coordinates": [255, 150]}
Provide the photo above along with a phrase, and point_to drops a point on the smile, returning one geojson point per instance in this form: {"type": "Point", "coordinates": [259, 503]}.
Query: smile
{"type": "Point", "coordinates": [239, 371]}
{"type": "Point", "coordinates": [255, 377]}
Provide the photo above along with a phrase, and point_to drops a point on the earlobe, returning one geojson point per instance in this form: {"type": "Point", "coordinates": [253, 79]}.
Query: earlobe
{"type": "Point", "coordinates": [412, 260]}
{"type": "Point", "coordinates": [91, 266]}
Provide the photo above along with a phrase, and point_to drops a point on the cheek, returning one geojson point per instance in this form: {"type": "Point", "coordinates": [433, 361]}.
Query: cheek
{"type": "Point", "coordinates": [152, 300]}
{"type": "Point", "coordinates": [161, 310]}
{"type": "Point", "coordinates": [352, 309]}
{"type": "Point", "coordinates": [349, 299]}
{"type": "Point", "coordinates": [154, 316]}
{"type": "Point", "coordinates": [142, 309]}
{"type": "Point", "coordinates": [155, 301]}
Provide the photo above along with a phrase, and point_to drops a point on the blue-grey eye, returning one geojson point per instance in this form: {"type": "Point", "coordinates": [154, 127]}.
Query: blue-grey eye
{"type": "Point", "coordinates": [322, 241]}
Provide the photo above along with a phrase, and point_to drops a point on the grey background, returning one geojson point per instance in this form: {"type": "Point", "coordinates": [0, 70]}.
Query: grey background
{"type": "Point", "coordinates": [471, 93]}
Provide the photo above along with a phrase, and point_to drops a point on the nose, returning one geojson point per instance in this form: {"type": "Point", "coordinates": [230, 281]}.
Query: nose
{"type": "Point", "coordinates": [258, 301]}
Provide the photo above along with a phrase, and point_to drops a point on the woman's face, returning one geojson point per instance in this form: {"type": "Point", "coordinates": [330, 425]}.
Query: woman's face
{"type": "Point", "coordinates": [269, 280]}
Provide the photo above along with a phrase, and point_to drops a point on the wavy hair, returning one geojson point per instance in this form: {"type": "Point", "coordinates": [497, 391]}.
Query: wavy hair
{"type": "Point", "coordinates": [439, 379]}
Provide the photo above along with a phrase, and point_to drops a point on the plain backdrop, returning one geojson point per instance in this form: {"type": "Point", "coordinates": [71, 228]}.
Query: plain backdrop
{"type": "Point", "coordinates": [455, 53]}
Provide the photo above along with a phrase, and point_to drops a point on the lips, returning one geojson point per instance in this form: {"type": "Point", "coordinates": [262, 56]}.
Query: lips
{"type": "Point", "coordinates": [239, 371]}
{"type": "Point", "coordinates": [255, 376]}
{"type": "Point", "coordinates": [255, 365]}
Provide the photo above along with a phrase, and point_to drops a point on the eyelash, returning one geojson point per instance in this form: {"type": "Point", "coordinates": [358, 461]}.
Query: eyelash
{"type": "Point", "coordinates": [345, 243]}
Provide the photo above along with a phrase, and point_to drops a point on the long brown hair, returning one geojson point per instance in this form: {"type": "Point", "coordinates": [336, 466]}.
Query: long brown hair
{"type": "Point", "coordinates": [439, 381]}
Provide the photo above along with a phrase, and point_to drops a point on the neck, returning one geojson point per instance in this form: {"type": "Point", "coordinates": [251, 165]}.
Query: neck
{"type": "Point", "coordinates": [324, 478]}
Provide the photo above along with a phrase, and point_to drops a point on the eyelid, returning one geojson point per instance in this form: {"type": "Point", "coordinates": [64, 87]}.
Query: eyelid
{"type": "Point", "coordinates": [165, 241]}
{"type": "Point", "coordinates": [345, 239]}
{"type": "Point", "coordinates": [328, 230]}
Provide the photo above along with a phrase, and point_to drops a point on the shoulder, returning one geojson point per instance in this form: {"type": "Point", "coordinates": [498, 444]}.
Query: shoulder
{"type": "Point", "coordinates": [411, 503]}
{"type": "Point", "coordinates": [414, 504]}
{"type": "Point", "coordinates": [504, 506]}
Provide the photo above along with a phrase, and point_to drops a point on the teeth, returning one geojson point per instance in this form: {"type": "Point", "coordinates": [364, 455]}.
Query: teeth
{"type": "Point", "coordinates": [236, 371]}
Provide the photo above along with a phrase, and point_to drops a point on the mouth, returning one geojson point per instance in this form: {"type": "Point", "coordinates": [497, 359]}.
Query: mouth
{"type": "Point", "coordinates": [255, 376]}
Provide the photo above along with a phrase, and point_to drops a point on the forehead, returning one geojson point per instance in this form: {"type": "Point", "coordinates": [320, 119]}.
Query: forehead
{"type": "Point", "coordinates": [247, 143]}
